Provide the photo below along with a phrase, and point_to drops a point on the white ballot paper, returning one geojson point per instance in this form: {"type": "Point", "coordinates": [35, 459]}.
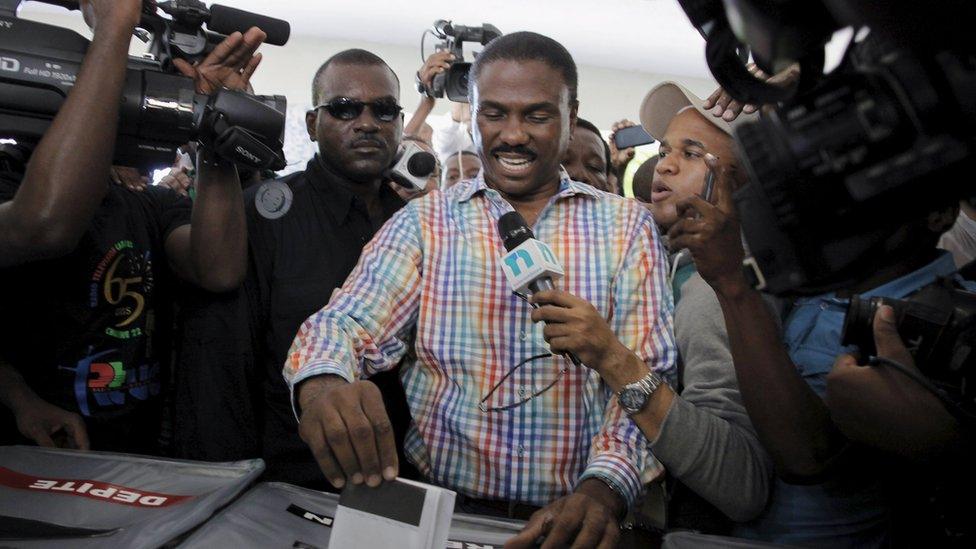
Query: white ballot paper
{"type": "Point", "coordinates": [398, 514]}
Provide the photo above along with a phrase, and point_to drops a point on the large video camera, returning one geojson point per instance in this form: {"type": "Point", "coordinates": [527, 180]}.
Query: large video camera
{"type": "Point", "coordinates": [938, 324]}
{"type": "Point", "coordinates": [160, 110]}
{"type": "Point", "coordinates": [845, 159]}
{"type": "Point", "coordinates": [454, 82]}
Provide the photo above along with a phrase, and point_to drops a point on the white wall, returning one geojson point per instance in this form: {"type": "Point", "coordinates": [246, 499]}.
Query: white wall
{"type": "Point", "coordinates": [605, 94]}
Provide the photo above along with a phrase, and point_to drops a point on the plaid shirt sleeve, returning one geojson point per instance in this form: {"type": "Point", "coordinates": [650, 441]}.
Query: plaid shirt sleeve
{"type": "Point", "coordinates": [641, 319]}
{"type": "Point", "coordinates": [362, 329]}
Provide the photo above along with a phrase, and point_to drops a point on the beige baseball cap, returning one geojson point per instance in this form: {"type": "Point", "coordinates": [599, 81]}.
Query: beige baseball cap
{"type": "Point", "coordinates": [665, 101]}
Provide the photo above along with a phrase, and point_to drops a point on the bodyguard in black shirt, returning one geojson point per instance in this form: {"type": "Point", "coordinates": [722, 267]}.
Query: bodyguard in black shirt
{"type": "Point", "coordinates": [82, 261]}
{"type": "Point", "coordinates": [306, 230]}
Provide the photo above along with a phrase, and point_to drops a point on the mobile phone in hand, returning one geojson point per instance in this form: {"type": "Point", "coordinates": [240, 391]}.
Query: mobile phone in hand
{"type": "Point", "coordinates": [709, 187]}
{"type": "Point", "coordinates": [633, 136]}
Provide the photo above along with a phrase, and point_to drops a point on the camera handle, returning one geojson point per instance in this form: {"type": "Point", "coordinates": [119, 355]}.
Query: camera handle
{"type": "Point", "coordinates": [952, 405]}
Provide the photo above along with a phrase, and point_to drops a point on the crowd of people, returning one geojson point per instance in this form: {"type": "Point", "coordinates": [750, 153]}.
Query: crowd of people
{"type": "Point", "coordinates": [348, 330]}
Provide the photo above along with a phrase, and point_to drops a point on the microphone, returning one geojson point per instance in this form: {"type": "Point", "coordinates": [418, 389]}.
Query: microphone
{"type": "Point", "coordinates": [227, 20]}
{"type": "Point", "coordinates": [412, 166]}
{"type": "Point", "coordinates": [530, 266]}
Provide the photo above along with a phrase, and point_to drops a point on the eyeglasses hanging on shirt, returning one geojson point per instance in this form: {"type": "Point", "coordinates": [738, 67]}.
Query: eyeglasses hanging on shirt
{"type": "Point", "coordinates": [539, 373]}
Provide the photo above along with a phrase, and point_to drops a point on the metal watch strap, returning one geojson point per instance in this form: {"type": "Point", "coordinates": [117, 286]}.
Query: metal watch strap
{"type": "Point", "coordinates": [645, 387]}
{"type": "Point", "coordinates": [422, 88]}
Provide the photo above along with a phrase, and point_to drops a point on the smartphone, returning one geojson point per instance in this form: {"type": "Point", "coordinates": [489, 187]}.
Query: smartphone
{"type": "Point", "coordinates": [631, 137]}
{"type": "Point", "coordinates": [709, 187]}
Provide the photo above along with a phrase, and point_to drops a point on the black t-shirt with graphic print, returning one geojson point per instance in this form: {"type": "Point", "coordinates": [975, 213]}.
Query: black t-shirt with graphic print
{"type": "Point", "coordinates": [90, 331]}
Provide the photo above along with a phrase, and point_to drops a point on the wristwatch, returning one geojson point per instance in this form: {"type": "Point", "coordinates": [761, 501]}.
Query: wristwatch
{"type": "Point", "coordinates": [422, 88]}
{"type": "Point", "coordinates": [634, 397]}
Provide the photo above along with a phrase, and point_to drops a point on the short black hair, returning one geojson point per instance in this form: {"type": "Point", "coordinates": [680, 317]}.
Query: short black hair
{"type": "Point", "coordinates": [644, 176]}
{"type": "Point", "coordinates": [587, 125]}
{"type": "Point", "coordinates": [529, 46]}
{"type": "Point", "coordinates": [353, 56]}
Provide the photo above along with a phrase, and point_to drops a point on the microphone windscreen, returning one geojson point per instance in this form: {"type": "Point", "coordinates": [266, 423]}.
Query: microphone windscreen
{"type": "Point", "coordinates": [421, 164]}
{"type": "Point", "coordinates": [226, 20]}
{"type": "Point", "coordinates": [514, 230]}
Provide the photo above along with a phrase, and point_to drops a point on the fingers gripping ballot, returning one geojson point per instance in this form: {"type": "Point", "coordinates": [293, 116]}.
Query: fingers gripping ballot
{"type": "Point", "coordinates": [347, 428]}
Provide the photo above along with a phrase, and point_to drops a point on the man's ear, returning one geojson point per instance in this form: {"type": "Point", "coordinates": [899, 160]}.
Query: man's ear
{"type": "Point", "coordinates": [311, 121]}
{"type": "Point", "coordinates": [573, 117]}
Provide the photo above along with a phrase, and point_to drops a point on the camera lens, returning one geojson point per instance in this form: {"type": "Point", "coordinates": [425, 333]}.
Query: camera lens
{"type": "Point", "coordinates": [457, 82]}
{"type": "Point", "coordinates": [859, 322]}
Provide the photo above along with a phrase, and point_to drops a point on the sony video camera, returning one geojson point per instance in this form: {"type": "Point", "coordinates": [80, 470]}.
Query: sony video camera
{"type": "Point", "coordinates": [842, 161]}
{"type": "Point", "coordinates": [454, 82]}
{"type": "Point", "coordinates": [160, 108]}
{"type": "Point", "coordinates": [937, 323]}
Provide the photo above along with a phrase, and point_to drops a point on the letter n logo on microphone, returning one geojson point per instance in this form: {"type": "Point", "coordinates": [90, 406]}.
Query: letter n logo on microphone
{"type": "Point", "coordinates": [512, 260]}
{"type": "Point", "coordinates": [547, 253]}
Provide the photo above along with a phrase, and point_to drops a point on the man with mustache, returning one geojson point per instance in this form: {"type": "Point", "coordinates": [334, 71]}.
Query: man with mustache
{"type": "Point", "coordinates": [549, 441]}
{"type": "Point", "coordinates": [306, 231]}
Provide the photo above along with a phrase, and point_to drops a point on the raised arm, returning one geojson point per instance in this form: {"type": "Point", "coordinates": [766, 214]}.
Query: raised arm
{"type": "Point", "coordinates": [792, 422]}
{"type": "Point", "coordinates": [212, 251]}
{"type": "Point", "coordinates": [68, 173]}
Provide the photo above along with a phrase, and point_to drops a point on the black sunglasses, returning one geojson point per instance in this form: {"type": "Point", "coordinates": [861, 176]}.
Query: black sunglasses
{"type": "Point", "coordinates": [344, 108]}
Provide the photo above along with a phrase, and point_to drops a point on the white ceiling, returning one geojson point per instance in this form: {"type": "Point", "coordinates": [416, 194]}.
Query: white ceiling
{"type": "Point", "coordinates": [644, 35]}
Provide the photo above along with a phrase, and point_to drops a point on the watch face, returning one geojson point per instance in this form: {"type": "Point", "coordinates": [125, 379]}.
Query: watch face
{"type": "Point", "coordinates": [632, 399]}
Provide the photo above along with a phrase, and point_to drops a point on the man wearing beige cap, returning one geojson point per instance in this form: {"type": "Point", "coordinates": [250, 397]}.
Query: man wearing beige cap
{"type": "Point", "coordinates": [780, 367]}
{"type": "Point", "coordinates": [687, 132]}
{"type": "Point", "coordinates": [702, 435]}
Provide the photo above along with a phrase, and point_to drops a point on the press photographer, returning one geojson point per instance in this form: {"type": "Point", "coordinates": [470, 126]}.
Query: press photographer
{"type": "Point", "coordinates": [853, 178]}
{"type": "Point", "coordinates": [445, 72]}
{"type": "Point", "coordinates": [87, 264]}
{"type": "Point", "coordinates": [161, 108]}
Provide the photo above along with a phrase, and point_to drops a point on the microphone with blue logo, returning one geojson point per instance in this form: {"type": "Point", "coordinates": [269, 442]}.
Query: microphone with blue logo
{"type": "Point", "coordinates": [529, 265]}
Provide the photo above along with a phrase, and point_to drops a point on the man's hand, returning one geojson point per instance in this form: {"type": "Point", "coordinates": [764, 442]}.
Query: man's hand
{"type": "Point", "coordinates": [619, 158]}
{"type": "Point", "coordinates": [883, 408]}
{"type": "Point", "coordinates": [179, 180]}
{"type": "Point", "coordinates": [711, 232]}
{"type": "Point", "coordinates": [111, 14]}
{"type": "Point", "coordinates": [346, 426]}
{"type": "Point", "coordinates": [585, 518]}
{"type": "Point", "coordinates": [129, 178]}
{"type": "Point", "coordinates": [230, 65]}
{"type": "Point", "coordinates": [573, 325]}
{"type": "Point", "coordinates": [725, 107]}
{"type": "Point", "coordinates": [437, 63]}
{"type": "Point", "coordinates": [50, 426]}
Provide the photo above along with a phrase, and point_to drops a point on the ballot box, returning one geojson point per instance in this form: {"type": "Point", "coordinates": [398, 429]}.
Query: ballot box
{"type": "Point", "coordinates": [65, 498]}
{"type": "Point", "coordinates": [280, 515]}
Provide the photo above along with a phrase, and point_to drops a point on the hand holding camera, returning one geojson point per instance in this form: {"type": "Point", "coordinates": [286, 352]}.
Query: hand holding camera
{"type": "Point", "coordinates": [438, 63]}
{"type": "Point", "coordinates": [884, 408]}
{"type": "Point", "coordinates": [453, 81]}
{"type": "Point", "coordinates": [230, 65]}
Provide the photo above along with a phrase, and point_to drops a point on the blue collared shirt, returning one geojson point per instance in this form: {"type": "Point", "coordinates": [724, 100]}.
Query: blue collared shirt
{"type": "Point", "coordinates": [837, 513]}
